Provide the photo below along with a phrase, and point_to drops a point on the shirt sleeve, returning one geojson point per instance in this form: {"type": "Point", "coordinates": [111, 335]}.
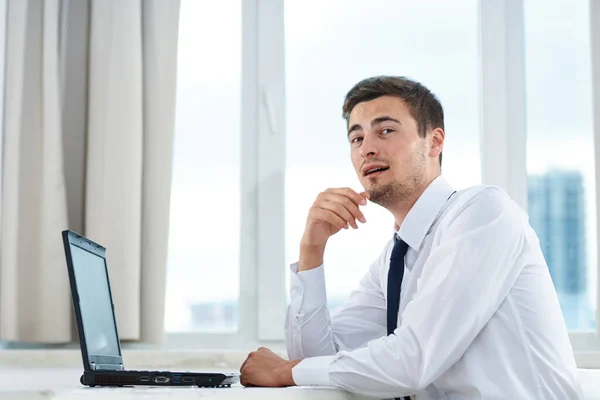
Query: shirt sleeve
{"type": "Point", "coordinates": [472, 266]}
{"type": "Point", "coordinates": [310, 331]}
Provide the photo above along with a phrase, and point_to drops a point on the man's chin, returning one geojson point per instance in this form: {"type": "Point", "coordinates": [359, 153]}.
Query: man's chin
{"type": "Point", "coordinates": [373, 184]}
{"type": "Point", "coordinates": [383, 193]}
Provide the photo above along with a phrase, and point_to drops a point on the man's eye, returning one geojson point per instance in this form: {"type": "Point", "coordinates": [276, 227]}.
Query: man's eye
{"type": "Point", "coordinates": [356, 139]}
{"type": "Point", "coordinates": [387, 131]}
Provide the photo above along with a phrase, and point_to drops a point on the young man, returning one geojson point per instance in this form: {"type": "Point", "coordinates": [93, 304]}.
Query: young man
{"type": "Point", "coordinates": [460, 304]}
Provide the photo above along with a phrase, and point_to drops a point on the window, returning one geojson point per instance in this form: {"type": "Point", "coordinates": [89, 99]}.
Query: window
{"type": "Point", "coordinates": [468, 52]}
{"type": "Point", "coordinates": [560, 151]}
{"type": "Point", "coordinates": [203, 262]}
{"type": "Point", "coordinates": [434, 42]}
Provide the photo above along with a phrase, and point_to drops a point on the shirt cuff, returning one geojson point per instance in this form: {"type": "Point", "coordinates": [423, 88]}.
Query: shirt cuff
{"type": "Point", "coordinates": [308, 291]}
{"type": "Point", "coordinates": [313, 371]}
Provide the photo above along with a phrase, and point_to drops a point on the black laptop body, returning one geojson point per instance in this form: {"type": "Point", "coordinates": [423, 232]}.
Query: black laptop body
{"type": "Point", "coordinates": [97, 327]}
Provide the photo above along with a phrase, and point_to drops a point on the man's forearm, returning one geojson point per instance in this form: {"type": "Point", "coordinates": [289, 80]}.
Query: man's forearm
{"type": "Point", "coordinates": [308, 332]}
{"type": "Point", "coordinates": [310, 257]}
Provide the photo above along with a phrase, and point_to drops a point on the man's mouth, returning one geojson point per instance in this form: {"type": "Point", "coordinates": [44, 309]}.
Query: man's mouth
{"type": "Point", "coordinates": [375, 171]}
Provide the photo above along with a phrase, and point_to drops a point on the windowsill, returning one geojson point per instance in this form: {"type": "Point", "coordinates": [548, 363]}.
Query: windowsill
{"type": "Point", "coordinates": [170, 359]}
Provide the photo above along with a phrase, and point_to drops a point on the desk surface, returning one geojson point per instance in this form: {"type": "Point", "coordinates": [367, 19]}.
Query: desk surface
{"type": "Point", "coordinates": [63, 384]}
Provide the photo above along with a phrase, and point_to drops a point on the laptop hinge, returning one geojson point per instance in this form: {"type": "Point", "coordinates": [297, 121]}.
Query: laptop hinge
{"type": "Point", "coordinates": [107, 367]}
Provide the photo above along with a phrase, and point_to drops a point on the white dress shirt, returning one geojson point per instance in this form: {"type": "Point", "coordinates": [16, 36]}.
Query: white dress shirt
{"type": "Point", "coordinates": [479, 317]}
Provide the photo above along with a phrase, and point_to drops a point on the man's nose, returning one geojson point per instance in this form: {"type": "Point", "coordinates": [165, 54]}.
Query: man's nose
{"type": "Point", "coordinates": [369, 147]}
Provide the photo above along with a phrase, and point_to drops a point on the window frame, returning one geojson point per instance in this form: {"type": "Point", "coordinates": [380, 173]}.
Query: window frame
{"type": "Point", "coordinates": [503, 159]}
{"type": "Point", "coordinates": [3, 44]}
{"type": "Point", "coordinates": [587, 346]}
{"type": "Point", "coordinates": [502, 97]}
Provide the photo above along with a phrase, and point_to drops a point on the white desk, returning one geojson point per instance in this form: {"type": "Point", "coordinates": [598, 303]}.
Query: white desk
{"type": "Point", "coordinates": [63, 384]}
{"type": "Point", "coordinates": [54, 375]}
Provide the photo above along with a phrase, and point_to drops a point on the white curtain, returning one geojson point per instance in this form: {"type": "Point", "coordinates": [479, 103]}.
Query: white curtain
{"type": "Point", "coordinates": [111, 119]}
{"type": "Point", "coordinates": [34, 290]}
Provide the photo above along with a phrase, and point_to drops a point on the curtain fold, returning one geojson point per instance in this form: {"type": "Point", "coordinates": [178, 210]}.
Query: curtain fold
{"type": "Point", "coordinates": [89, 84]}
{"type": "Point", "coordinates": [114, 151]}
{"type": "Point", "coordinates": [34, 291]}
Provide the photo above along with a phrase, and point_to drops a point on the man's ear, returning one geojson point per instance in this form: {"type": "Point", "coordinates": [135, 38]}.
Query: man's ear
{"type": "Point", "coordinates": [437, 142]}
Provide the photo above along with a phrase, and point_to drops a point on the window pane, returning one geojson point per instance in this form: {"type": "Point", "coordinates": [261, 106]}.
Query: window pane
{"type": "Point", "coordinates": [432, 41]}
{"type": "Point", "coordinates": [560, 151]}
{"type": "Point", "coordinates": [203, 264]}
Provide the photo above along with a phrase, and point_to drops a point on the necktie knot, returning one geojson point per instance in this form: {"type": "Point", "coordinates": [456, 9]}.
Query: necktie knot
{"type": "Point", "coordinates": [400, 248]}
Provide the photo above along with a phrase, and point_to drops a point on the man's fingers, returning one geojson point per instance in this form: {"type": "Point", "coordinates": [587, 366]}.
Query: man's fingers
{"type": "Point", "coordinates": [244, 372]}
{"type": "Point", "coordinates": [348, 203]}
{"type": "Point", "coordinates": [329, 216]}
{"type": "Point", "coordinates": [340, 211]}
{"type": "Point", "coordinates": [245, 382]}
{"type": "Point", "coordinates": [250, 355]}
{"type": "Point", "coordinates": [349, 193]}
{"type": "Point", "coordinates": [350, 206]}
{"type": "Point", "coordinates": [243, 364]}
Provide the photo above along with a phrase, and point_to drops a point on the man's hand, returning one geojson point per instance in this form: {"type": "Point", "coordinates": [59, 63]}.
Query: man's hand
{"type": "Point", "coordinates": [265, 368]}
{"type": "Point", "coordinates": [332, 211]}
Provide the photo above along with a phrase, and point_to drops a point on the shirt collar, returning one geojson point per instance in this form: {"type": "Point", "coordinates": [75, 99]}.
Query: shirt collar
{"type": "Point", "coordinates": [424, 212]}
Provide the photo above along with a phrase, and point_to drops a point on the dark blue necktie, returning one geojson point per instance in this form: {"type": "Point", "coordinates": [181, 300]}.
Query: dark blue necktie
{"type": "Point", "coordinates": [395, 275]}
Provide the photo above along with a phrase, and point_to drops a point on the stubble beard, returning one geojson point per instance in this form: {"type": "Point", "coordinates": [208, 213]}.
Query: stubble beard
{"type": "Point", "coordinates": [390, 194]}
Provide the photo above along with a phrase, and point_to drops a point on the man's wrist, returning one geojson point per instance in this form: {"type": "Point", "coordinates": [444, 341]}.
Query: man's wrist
{"type": "Point", "coordinates": [311, 257]}
{"type": "Point", "coordinates": [287, 378]}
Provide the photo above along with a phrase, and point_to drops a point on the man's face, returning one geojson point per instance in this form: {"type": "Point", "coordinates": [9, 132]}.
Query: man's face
{"type": "Point", "coordinates": [383, 134]}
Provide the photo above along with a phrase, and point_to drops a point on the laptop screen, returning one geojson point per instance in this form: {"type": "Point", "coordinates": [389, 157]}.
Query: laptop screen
{"type": "Point", "coordinates": [95, 303]}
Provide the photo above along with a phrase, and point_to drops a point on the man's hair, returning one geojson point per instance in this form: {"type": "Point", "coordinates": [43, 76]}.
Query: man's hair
{"type": "Point", "coordinates": [423, 105]}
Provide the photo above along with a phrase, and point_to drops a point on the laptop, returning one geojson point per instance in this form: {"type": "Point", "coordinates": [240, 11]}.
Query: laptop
{"type": "Point", "coordinates": [97, 327]}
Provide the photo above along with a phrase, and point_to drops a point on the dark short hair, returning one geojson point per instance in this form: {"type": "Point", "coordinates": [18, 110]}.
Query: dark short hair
{"type": "Point", "coordinates": [423, 105]}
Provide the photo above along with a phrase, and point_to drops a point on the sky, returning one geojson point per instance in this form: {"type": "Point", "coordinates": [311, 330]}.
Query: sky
{"type": "Point", "coordinates": [331, 45]}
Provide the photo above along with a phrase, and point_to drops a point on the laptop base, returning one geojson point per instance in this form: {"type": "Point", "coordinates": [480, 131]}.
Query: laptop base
{"type": "Point", "coordinates": [154, 378]}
